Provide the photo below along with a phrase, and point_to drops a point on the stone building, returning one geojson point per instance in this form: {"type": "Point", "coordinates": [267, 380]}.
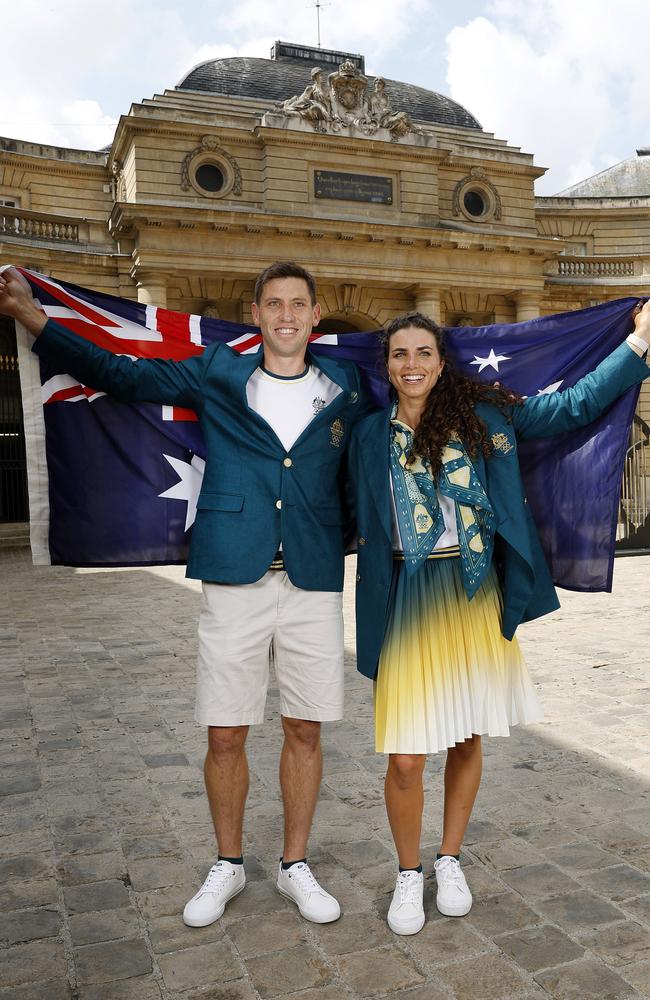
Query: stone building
{"type": "Point", "coordinates": [394, 196]}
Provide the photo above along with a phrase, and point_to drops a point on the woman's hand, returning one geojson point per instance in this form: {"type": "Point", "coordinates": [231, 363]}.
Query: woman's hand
{"type": "Point", "coordinates": [17, 301]}
{"type": "Point", "coordinates": [641, 316]}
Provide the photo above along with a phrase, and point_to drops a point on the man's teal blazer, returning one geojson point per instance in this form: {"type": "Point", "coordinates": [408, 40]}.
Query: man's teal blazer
{"type": "Point", "coordinates": [254, 493]}
{"type": "Point", "coordinates": [528, 590]}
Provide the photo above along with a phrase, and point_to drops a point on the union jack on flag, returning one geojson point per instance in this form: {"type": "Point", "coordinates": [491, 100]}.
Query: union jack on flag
{"type": "Point", "coordinates": [116, 484]}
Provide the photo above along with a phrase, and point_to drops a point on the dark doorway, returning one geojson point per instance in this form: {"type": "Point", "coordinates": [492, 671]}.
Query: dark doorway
{"type": "Point", "coordinates": [14, 504]}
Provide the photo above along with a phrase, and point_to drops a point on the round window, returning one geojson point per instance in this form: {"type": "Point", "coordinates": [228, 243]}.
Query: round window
{"type": "Point", "coordinates": [474, 203]}
{"type": "Point", "coordinates": [210, 177]}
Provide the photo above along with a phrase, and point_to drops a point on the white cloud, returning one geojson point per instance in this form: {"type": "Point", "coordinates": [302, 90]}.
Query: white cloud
{"type": "Point", "coordinates": [559, 79]}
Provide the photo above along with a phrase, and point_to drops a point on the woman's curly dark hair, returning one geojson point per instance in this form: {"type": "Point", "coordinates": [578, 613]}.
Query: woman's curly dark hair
{"type": "Point", "coordinates": [450, 405]}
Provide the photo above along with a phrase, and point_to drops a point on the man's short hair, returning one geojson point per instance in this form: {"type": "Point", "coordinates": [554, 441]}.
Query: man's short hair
{"type": "Point", "coordinates": [284, 269]}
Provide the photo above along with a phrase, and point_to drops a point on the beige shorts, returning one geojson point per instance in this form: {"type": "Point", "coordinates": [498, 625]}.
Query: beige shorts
{"type": "Point", "coordinates": [238, 627]}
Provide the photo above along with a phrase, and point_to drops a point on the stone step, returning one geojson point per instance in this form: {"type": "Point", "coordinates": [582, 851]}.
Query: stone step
{"type": "Point", "coordinates": [14, 535]}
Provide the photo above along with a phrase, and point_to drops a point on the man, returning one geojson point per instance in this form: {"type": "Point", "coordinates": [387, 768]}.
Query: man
{"type": "Point", "coordinates": [267, 544]}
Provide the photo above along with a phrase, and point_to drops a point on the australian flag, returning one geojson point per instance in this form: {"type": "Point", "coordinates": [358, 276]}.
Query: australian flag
{"type": "Point", "coordinates": [117, 484]}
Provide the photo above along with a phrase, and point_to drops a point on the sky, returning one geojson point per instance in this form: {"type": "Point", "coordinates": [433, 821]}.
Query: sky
{"type": "Point", "coordinates": [565, 80]}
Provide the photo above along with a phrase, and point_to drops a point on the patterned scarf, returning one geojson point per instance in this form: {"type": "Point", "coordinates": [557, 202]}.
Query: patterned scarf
{"type": "Point", "coordinates": [419, 515]}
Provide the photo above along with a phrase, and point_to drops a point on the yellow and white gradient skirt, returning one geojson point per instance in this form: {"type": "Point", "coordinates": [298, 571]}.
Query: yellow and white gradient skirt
{"type": "Point", "coordinates": [445, 670]}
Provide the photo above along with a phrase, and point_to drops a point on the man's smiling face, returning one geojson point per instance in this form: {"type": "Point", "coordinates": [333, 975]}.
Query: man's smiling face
{"type": "Point", "coordinates": [286, 316]}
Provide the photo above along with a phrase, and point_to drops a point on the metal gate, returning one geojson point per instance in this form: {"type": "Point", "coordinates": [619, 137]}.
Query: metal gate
{"type": "Point", "coordinates": [14, 504]}
{"type": "Point", "coordinates": [634, 511]}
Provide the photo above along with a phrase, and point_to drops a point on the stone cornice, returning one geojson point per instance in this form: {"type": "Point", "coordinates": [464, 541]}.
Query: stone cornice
{"type": "Point", "coordinates": [58, 168]}
{"type": "Point", "coordinates": [127, 216]}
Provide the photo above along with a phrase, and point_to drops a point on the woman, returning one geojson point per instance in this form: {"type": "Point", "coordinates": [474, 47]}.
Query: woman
{"type": "Point", "coordinates": [449, 564]}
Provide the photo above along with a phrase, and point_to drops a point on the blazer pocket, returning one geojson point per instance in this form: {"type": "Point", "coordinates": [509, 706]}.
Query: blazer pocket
{"type": "Point", "coordinates": [220, 501]}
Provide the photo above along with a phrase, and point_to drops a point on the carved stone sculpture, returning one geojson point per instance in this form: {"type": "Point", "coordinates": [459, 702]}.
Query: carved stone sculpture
{"type": "Point", "coordinates": [345, 102]}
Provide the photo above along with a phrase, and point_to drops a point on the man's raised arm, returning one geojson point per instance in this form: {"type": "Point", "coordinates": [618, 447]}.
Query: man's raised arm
{"type": "Point", "coordinates": [17, 301]}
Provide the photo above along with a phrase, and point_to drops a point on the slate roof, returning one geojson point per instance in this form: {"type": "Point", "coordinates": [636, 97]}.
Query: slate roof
{"type": "Point", "coordinates": [276, 80]}
{"type": "Point", "coordinates": [627, 179]}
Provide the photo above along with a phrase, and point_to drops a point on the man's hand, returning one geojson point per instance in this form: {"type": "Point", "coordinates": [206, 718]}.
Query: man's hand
{"type": "Point", "coordinates": [17, 301]}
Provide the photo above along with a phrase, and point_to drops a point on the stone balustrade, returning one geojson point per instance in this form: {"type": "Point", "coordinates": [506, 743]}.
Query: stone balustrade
{"type": "Point", "coordinates": [29, 225]}
{"type": "Point", "coordinates": [593, 267]}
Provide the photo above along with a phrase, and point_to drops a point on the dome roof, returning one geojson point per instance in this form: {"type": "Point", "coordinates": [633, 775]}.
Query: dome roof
{"type": "Point", "coordinates": [279, 79]}
{"type": "Point", "coordinates": [628, 179]}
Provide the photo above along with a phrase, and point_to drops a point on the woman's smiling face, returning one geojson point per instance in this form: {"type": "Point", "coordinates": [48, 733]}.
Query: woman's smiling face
{"type": "Point", "coordinates": [414, 364]}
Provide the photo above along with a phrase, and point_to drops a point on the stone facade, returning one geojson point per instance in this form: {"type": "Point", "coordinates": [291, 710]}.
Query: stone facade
{"type": "Point", "coordinates": [402, 201]}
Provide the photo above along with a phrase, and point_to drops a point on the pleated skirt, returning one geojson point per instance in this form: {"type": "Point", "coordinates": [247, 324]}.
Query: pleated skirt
{"type": "Point", "coordinates": [445, 671]}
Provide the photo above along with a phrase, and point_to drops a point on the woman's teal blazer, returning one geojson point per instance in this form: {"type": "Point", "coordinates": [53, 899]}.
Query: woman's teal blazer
{"type": "Point", "coordinates": [528, 590]}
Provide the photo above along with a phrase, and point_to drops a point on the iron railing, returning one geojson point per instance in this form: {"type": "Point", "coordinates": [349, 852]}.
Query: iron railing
{"type": "Point", "coordinates": [14, 504]}
{"type": "Point", "coordinates": [633, 531]}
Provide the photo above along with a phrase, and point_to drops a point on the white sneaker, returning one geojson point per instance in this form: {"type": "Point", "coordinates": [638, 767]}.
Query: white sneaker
{"type": "Point", "coordinates": [298, 883]}
{"type": "Point", "coordinates": [453, 898]}
{"type": "Point", "coordinates": [406, 912]}
{"type": "Point", "coordinates": [223, 882]}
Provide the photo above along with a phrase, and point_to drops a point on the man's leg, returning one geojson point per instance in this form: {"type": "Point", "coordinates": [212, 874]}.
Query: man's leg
{"type": "Point", "coordinates": [301, 769]}
{"type": "Point", "coordinates": [226, 782]}
{"type": "Point", "coordinates": [308, 645]}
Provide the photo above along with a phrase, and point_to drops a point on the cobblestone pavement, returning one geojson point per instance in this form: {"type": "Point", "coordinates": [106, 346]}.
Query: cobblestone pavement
{"type": "Point", "coordinates": [104, 827]}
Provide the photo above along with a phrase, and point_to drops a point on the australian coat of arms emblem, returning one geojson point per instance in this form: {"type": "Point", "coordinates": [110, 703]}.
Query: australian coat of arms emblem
{"type": "Point", "coordinates": [337, 431]}
{"type": "Point", "coordinates": [502, 443]}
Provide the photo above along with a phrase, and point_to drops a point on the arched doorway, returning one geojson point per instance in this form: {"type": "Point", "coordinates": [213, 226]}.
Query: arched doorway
{"type": "Point", "coordinates": [346, 323]}
{"type": "Point", "coordinates": [14, 505]}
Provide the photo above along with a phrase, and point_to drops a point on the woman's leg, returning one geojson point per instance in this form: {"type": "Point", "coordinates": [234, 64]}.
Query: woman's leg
{"type": "Point", "coordinates": [404, 804]}
{"type": "Point", "coordinates": [462, 780]}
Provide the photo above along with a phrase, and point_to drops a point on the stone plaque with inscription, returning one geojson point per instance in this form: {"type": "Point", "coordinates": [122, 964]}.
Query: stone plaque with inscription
{"type": "Point", "coordinates": [353, 187]}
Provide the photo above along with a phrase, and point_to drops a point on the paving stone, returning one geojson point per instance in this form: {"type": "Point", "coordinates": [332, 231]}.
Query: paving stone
{"type": "Point", "coordinates": [171, 934]}
{"type": "Point", "coordinates": [381, 970]}
{"type": "Point", "coordinates": [25, 867]}
{"type": "Point", "coordinates": [156, 873]}
{"type": "Point", "coordinates": [496, 914]}
{"type": "Point", "coordinates": [84, 868]}
{"type": "Point", "coordinates": [19, 778]}
{"type": "Point", "coordinates": [619, 882]}
{"type": "Point", "coordinates": [257, 935]}
{"type": "Point", "coordinates": [581, 856]}
{"type": "Point", "coordinates": [239, 989]}
{"type": "Point", "coordinates": [638, 908]}
{"type": "Point", "coordinates": [104, 963]}
{"type": "Point", "coordinates": [29, 925]}
{"type": "Point", "coordinates": [108, 895]}
{"type": "Point", "coordinates": [107, 925]}
{"type": "Point", "coordinates": [446, 940]}
{"type": "Point", "coordinates": [53, 989]}
{"type": "Point", "coordinates": [202, 965]}
{"type": "Point", "coordinates": [344, 936]}
{"type": "Point", "coordinates": [622, 944]}
{"type": "Point", "coordinates": [533, 881]}
{"type": "Point", "coordinates": [537, 948]}
{"type": "Point", "coordinates": [362, 853]}
{"type": "Point", "coordinates": [165, 902]}
{"type": "Point", "coordinates": [158, 846]}
{"type": "Point", "coordinates": [260, 897]}
{"type": "Point", "coordinates": [488, 977]}
{"type": "Point", "coordinates": [85, 843]}
{"type": "Point", "coordinates": [140, 988]}
{"type": "Point", "coordinates": [584, 979]}
{"type": "Point", "coordinates": [32, 962]}
{"type": "Point", "coordinates": [155, 760]}
{"type": "Point", "coordinates": [638, 974]}
{"type": "Point", "coordinates": [579, 911]}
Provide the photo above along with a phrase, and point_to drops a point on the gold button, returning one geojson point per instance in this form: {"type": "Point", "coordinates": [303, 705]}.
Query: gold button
{"type": "Point", "coordinates": [287, 463]}
{"type": "Point", "coordinates": [278, 504]}
{"type": "Point", "coordinates": [362, 541]}
{"type": "Point", "coordinates": [358, 577]}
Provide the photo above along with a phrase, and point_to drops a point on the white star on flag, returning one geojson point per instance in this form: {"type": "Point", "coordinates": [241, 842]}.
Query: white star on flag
{"type": "Point", "coordinates": [188, 486]}
{"type": "Point", "coordinates": [553, 387]}
{"type": "Point", "coordinates": [492, 361]}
